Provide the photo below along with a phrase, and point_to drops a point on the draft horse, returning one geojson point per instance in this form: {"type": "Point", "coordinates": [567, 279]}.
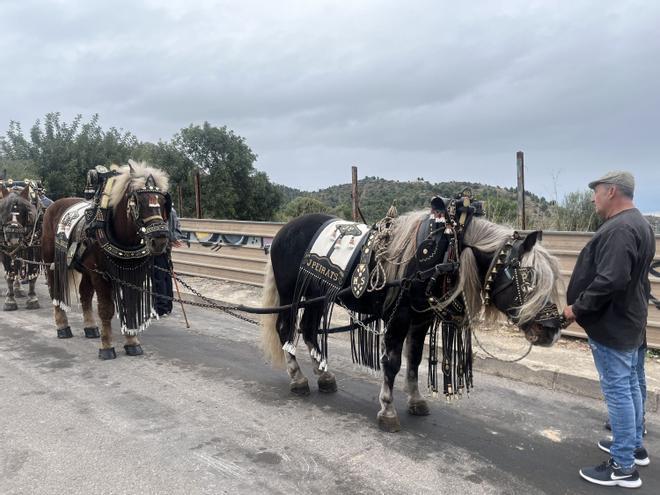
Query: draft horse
{"type": "Point", "coordinates": [509, 272]}
{"type": "Point", "coordinates": [101, 245]}
{"type": "Point", "coordinates": [20, 217]}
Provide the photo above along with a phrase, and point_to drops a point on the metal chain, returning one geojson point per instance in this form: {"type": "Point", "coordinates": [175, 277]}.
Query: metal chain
{"type": "Point", "coordinates": [209, 304]}
{"type": "Point", "coordinates": [358, 323]}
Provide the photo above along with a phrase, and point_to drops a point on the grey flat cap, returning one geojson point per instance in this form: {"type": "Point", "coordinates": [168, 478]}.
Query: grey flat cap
{"type": "Point", "coordinates": [618, 178]}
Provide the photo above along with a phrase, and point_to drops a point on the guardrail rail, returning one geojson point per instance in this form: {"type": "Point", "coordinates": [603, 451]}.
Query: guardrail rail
{"type": "Point", "coordinates": [235, 251]}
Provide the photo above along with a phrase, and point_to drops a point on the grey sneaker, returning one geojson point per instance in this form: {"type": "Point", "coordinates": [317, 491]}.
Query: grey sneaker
{"type": "Point", "coordinates": [609, 473]}
{"type": "Point", "coordinates": [641, 455]}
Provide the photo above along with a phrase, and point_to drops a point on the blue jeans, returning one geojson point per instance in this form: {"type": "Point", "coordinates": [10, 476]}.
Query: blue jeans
{"type": "Point", "coordinates": [620, 385]}
{"type": "Point", "coordinates": [641, 375]}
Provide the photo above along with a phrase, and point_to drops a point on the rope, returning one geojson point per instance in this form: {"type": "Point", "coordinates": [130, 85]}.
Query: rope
{"type": "Point", "coordinates": [488, 353]}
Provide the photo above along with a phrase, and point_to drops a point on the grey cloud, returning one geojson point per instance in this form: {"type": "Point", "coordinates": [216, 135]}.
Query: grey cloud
{"type": "Point", "coordinates": [435, 89]}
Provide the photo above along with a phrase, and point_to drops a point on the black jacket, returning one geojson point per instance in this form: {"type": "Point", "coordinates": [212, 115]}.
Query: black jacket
{"type": "Point", "coordinates": [609, 288]}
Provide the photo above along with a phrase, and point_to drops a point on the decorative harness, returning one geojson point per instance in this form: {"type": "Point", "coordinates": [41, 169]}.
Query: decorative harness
{"type": "Point", "coordinates": [507, 263]}
{"type": "Point", "coordinates": [18, 238]}
{"type": "Point", "coordinates": [100, 214]}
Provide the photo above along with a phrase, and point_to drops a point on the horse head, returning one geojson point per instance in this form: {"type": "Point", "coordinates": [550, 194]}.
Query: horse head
{"type": "Point", "coordinates": [17, 216]}
{"type": "Point", "coordinates": [520, 282]}
{"type": "Point", "coordinates": [148, 208]}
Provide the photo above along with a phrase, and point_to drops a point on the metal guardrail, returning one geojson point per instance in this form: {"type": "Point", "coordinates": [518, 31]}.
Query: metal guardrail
{"type": "Point", "coordinates": [235, 251]}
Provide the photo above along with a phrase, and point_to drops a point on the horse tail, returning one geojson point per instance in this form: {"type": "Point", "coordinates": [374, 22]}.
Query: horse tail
{"type": "Point", "coordinates": [271, 345]}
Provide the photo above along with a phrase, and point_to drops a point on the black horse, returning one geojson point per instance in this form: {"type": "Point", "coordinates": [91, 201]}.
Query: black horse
{"type": "Point", "coordinates": [514, 274]}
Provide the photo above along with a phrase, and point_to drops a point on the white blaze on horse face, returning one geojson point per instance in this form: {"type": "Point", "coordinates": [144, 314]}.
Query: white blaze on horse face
{"type": "Point", "coordinates": [153, 201]}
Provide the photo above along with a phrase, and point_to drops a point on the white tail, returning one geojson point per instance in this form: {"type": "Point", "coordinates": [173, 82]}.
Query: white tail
{"type": "Point", "coordinates": [270, 339]}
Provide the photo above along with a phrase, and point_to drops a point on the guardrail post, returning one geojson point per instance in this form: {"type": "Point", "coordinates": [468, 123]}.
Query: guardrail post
{"type": "Point", "coordinates": [520, 163]}
{"type": "Point", "coordinates": [198, 195]}
{"type": "Point", "coordinates": [354, 193]}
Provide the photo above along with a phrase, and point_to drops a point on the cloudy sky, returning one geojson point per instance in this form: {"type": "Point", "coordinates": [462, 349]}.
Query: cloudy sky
{"type": "Point", "coordinates": [443, 90]}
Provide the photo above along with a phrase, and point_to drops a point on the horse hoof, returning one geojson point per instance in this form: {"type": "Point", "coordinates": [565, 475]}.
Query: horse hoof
{"type": "Point", "coordinates": [64, 333]}
{"type": "Point", "coordinates": [390, 424]}
{"type": "Point", "coordinates": [328, 386]}
{"type": "Point", "coordinates": [92, 332]}
{"type": "Point", "coordinates": [108, 353]}
{"type": "Point", "coordinates": [419, 408]}
{"type": "Point", "coordinates": [133, 350]}
{"type": "Point", "coordinates": [300, 388]}
{"type": "Point", "coordinates": [32, 304]}
{"type": "Point", "coordinates": [11, 306]}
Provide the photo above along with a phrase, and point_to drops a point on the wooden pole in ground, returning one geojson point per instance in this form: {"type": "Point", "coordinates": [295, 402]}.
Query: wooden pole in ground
{"type": "Point", "coordinates": [520, 164]}
{"type": "Point", "coordinates": [180, 194]}
{"type": "Point", "coordinates": [354, 193]}
{"type": "Point", "coordinates": [198, 195]}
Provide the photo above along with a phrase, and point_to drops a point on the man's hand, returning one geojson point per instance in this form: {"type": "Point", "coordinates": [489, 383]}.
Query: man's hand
{"type": "Point", "coordinates": [176, 244]}
{"type": "Point", "coordinates": [568, 314]}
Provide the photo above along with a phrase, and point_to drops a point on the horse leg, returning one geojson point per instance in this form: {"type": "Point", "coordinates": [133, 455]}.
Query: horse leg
{"type": "Point", "coordinates": [299, 384]}
{"type": "Point", "coordinates": [18, 289]}
{"type": "Point", "coordinates": [388, 419]}
{"type": "Point", "coordinates": [10, 301]}
{"type": "Point", "coordinates": [309, 325]}
{"type": "Point", "coordinates": [132, 346]}
{"type": "Point", "coordinates": [32, 300]}
{"type": "Point", "coordinates": [86, 291]}
{"type": "Point", "coordinates": [414, 351]}
{"type": "Point", "coordinates": [61, 320]}
{"type": "Point", "coordinates": [106, 311]}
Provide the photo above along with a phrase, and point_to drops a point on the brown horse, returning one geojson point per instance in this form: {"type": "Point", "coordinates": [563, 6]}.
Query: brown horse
{"type": "Point", "coordinates": [20, 214]}
{"type": "Point", "coordinates": [125, 228]}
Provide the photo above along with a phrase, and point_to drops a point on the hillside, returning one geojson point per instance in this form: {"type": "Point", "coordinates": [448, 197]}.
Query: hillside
{"type": "Point", "coordinates": [377, 194]}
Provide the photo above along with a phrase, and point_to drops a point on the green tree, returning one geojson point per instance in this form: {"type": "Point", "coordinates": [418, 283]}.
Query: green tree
{"type": "Point", "coordinates": [61, 153]}
{"type": "Point", "coordinates": [578, 213]}
{"type": "Point", "coordinates": [231, 187]}
{"type": "Point", "coordinates": [302, 206]}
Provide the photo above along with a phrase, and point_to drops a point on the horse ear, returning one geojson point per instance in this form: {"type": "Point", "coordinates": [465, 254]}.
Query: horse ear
{"type": "Point", "coordinates": [530, 240]}
{"type": "Point", "coordinates": [130, 167]}
{"type": "Point", "coordinates": [438, 204]}
{"type": "Point", "coordinates": [25, 193]}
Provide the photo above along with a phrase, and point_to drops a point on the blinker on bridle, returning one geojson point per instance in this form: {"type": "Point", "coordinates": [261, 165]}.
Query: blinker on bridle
{"type": "Point", "coordinates": [154, 224]}
{"type": "Point", "coordinates": [509, 265]}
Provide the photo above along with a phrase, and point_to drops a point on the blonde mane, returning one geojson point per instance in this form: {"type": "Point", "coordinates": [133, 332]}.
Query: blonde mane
{"type": "Point", "coordinates": [127, 181]}
{"type": "Point", "coordinates": [486, 237]}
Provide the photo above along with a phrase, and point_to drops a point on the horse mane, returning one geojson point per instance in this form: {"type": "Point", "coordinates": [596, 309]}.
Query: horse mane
{"type": "Point", "coordinates": [484, 236]}
{"type": "Point", "coordinates": [128, 181]}
{"type": "Point", "coordinates": [7, 203]}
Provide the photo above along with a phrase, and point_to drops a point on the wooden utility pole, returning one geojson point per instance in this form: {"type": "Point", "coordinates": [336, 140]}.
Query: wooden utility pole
{"type": "Point", "coordinates": [354, 193]}
{"type": "Point", "coordinates": [198, 195]}
{"type": "Point", "coordinates": [520, 163]}
{"type": "Point", "coordinates": [180, 194]}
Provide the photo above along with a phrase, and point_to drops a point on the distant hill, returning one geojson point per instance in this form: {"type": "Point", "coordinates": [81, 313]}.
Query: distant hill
{"type": "Point", "coordinates": [377, 194]}
{"type": "Point", "coordinates": [654, 220]}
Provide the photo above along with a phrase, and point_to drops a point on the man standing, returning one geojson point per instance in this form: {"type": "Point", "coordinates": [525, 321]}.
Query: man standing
{"type": "Point", "coordinates": [162, 278]}
{"type": "Point", "coordinates": [608, 296]}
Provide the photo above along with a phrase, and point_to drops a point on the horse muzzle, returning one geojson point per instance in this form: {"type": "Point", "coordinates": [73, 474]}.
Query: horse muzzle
{"type": "Point", "coordinates": [14, 234]}
{"type": "Point", "coordinates": [156, 237]}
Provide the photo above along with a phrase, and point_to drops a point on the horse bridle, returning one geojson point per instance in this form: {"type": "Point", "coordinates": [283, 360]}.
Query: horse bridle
{"type": "Point", "coordinates": [154, 225]}
{"type": "Point", "coordinates": [507, 262]}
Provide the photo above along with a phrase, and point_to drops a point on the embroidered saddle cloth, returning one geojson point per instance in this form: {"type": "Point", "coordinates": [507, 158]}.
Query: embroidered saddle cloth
{"type": "Point", "coordinates": [69, 230]}
{"type": "Point", "coordinates": [333, 252]}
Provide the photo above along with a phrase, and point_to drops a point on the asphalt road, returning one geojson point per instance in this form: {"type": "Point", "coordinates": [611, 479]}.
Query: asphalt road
{"type": "Point", "coordinates": [201, 412]}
